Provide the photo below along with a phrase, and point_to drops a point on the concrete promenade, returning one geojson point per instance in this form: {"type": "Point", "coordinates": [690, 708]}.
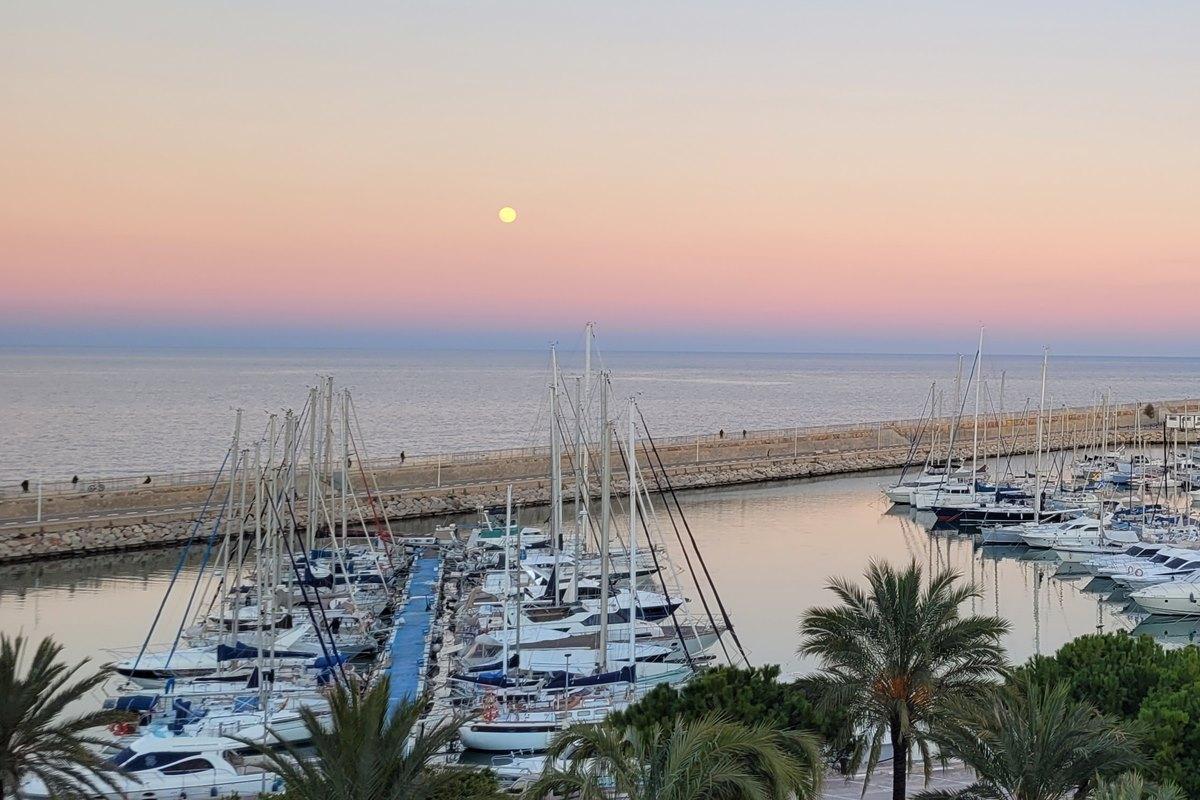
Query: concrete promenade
{"type": "Point", "coordinates": [107, 514]}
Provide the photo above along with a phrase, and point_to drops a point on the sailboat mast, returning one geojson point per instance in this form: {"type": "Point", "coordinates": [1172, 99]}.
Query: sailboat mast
{"type": "Point", "coordinates": [958, 385]}
{"type": "Point", "coordinates": [241, 534]}
{"type": "Point", "coordinates": [1037, 477]}
{"type": "Point", "coordinates": [957, 412]}
{"type": "Point", "coordinates": [1000, 425]}
{"type": "Point", "coordinates": [266, 587]}
{"type": "Point", "coordinates": [507, 570]}
{"type": "Point", "coordinates": [345, 467]}
{"type": "Point", "coordinates": [313, 471]}
{"type": "Point", "coordinates": [555, 474]}
{"type": "Point", "coordinates": [233, 519]}
{"type": "Point", "coordinates": [258, 565]}
{"type": "Point", "coordinates": [1104, 435]}
{"type": "Point", "coordinates": [633, 504]}
{"type": "Point", "coordinates": [580, 489]}
{"type": "Point", "coordinates": [605, 516]}
{"type": "Point", "coordinates": [329, 451]}
{"type": "Point", "coordinates": [291, 436]}
{"type": "Point", "coordinates": [266, 596]}
{"type": "Point", "coordinates": [517, 633]}
{"type": "Point", "coordinates": [975, 426]}
{"type": "Point", "coordinates": [586, 508]}
{"type": "Point", "coordinates": [933, 425]}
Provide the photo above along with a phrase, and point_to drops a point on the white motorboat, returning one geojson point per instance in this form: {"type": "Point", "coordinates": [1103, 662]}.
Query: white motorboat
{"type": "Point", "coordinates": [925, 498]}
{"type": "Point", "coordinates": [1181, 565]}
{"type": "Point", "coordinates": [1176, 598]}
{"type": "Point", "coordinates": [902, 493]}
{"type": "Point", "coordinates": [176, 767]}
{"type": "Point", "coordinates": [1141, 551]}
{"type": "Point", "coordinates": [1080, 532]}
{"type": "Point", "coordinates": [1163, 555]}
{"type": "Point", "coordinates": [516, 772]}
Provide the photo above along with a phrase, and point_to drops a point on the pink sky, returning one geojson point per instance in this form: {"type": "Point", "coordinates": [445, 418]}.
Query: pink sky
{"type": "Point", "coordinates": [766, 169]}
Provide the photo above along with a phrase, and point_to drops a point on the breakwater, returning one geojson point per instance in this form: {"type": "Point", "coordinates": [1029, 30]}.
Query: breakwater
{"type": "Point", "coordinates": [105, 515]}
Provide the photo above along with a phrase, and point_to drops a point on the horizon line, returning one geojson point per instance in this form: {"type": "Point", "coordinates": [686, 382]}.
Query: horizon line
{"type": "Point", "coordinates": [519, 349]}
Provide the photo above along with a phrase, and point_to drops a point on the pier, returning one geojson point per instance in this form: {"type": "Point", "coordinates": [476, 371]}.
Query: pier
{"type": "Point", "coordinates": [410, 645]}
{"type": "Point", "coordinates": [108, 514]}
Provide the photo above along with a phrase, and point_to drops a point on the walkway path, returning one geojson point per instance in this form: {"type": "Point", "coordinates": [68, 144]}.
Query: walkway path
{"type": "Point", "coordinates": [953, 777]}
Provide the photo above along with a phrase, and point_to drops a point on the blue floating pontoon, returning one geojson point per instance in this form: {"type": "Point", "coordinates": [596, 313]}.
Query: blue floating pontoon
{"type": "Point", "coordinates": [412, 630]}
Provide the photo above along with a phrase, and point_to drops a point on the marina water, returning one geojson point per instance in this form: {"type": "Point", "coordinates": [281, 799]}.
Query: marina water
{"type": "Point", "coordinates": [771, 548]}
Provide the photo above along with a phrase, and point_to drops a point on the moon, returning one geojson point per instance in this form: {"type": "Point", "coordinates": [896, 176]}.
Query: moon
{"type": "Point", "coordinates": [508, 214]}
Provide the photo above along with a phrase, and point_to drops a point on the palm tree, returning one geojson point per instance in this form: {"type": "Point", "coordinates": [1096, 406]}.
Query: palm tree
{"type": "Point", "coordinates": [1033, 742]}
{"type": "Point", "coordinates": [36, 740]}
{"type": "Point", "coordinates": [701, 759]}
{"type": "Point", "coordinates": [1132, 786]}
{"type": "Point", "coordinates": [894, 654]}
{"type": "Point", "coordinates": [365, 753]}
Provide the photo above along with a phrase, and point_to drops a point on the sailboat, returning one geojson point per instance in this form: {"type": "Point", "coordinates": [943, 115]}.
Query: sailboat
{"type": "Point", "coordinates": [282, 622]}
{"type": "Point", "coordinates": [576, 636]}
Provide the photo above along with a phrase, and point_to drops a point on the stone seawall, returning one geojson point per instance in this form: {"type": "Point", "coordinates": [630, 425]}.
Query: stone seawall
{"type": "Point", "coordinates": [62, 539]}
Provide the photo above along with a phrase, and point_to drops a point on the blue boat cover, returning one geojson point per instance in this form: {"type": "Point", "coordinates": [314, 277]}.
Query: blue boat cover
{"type": "Point", "coordinates": [326, 662]}
{"type": "Point", "coordinates": [496, 678]}
{"type": "Point", "coordinates": [241, 650]}
{"type": "Point", "coordinates": [134, 702]}
{"type": "Point", "coordinates": [558, 680]}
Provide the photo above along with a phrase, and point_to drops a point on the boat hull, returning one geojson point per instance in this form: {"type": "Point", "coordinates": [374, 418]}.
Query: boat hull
{"type": "Point", "coordinates": [499, 737]}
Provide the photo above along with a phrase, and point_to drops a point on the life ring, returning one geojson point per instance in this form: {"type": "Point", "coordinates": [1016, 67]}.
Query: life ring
{"type": "Point", "coordinates": [122, 729]}
{"type": "Point", "coordinates": [1138, 572]}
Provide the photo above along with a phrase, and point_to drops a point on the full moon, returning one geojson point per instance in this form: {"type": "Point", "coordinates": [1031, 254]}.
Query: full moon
{"type": "Point", "coordinates": [508, 214]}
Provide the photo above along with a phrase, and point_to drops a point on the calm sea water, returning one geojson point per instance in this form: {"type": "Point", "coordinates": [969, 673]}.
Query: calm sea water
{"type": "Point", "coordinates": [111, 412]}
{"type": "Point", "coordinates": [770, 547]}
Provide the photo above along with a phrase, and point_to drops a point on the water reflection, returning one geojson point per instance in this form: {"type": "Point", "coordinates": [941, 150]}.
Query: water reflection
{"type": "Point", "coordinates": [771, 549]}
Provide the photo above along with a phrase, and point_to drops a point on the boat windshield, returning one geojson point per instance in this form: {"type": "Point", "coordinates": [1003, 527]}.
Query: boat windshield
{"type": "Point", "coordinates": [154, 760]}
{"type": "Point", "coordinates": [121, 756]}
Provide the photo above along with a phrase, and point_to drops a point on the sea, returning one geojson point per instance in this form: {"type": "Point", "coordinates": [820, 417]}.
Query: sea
{"type": "Point", "coordinates": [96, 412]}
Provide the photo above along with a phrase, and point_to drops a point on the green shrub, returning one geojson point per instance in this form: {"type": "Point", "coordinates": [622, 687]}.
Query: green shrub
{"type": "Point", "coordinates": [1112, 671]}
{"type": "Point", "coordinates": [748, 696]}
{"type": "Point", "coordinates": [1139, 681]}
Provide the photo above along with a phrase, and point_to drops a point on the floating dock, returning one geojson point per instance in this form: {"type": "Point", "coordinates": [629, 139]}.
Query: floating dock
{"type": "Point", "coordinates": [410, 645]}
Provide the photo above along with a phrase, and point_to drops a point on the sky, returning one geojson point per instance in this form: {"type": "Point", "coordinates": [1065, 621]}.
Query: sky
{"type": "Point", "coordinates": [799, 176]}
